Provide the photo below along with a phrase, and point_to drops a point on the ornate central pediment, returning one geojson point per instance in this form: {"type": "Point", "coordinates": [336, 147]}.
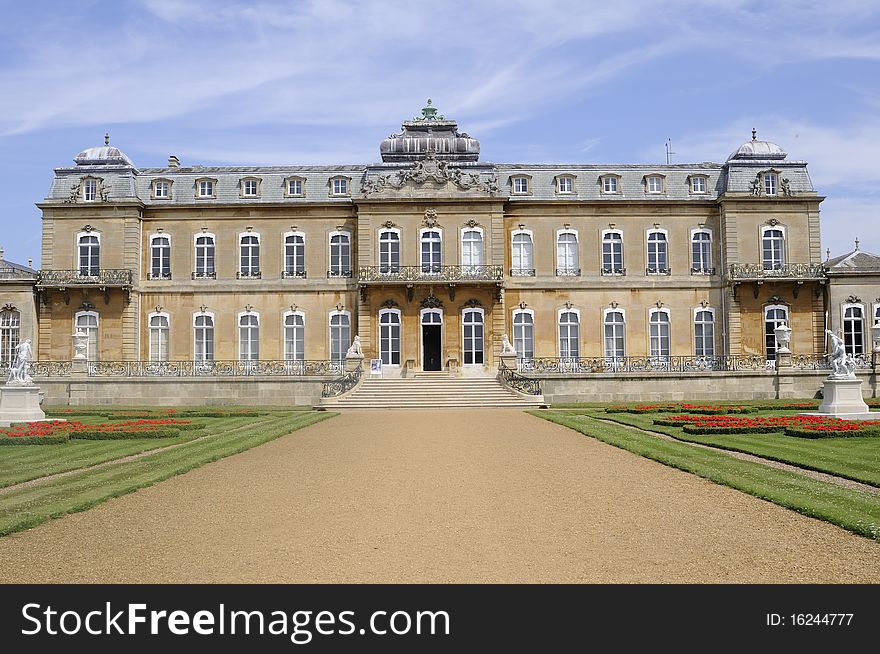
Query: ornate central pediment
{"type": "Point", "coordinates": [430, 176]}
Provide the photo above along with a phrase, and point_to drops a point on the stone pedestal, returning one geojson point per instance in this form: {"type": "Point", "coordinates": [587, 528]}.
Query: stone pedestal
{"type": "Point", "coordinates": [842, 398]}
{"type": "Point", "coordinates": [783, 359]}
{"type": "Point", "coordinates": [509, 361]}
{"type": "Point", "coordinates": [20, 404]}
{"type": "Point", "coordinates": [352, 363]}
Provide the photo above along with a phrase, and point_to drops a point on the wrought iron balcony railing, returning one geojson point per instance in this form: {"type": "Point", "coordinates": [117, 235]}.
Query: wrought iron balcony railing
{"type": "Point", "coordinates": [66, 278]}
{"type": "Point", "coordinates": [698, 270]}
{"type": "Point", "coordinates": [152, 276]}
{"type": "Point", "coordinates": [512, 379]}
{"type": "Point", "coordinates": [522, 272]}
{"type": "Point", "coordinates": [568, 272]}
{"type": "Point", "coordinates": [618, 271]}
{"type": "Point", "coordinates": [384, 274]}
{"type": "Point", "coordinates": [41, 369]}
{"type": "Point", "coordinates": [658, 271]}
{"type": "Point", "coordinates": [205, 275]}
{"type": "Point", "coordinates": [252, 274]}
{"type": "Point", "coordinates": [293, 274]}
{"type": "Point", "coordinates": [343, 384]}
{"type": "Point", "coordinates": [646, 364]}
{"type": "Point", "coordinates": [759, 271]}
{"type": "Point", "coordinates": [214, 368]}
{"type": "Point", "coordinates": [339, 273]}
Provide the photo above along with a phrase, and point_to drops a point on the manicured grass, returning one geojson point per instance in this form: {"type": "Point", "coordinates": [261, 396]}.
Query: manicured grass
{"type": "Point", "coordinates": [853, 510]}
{"type": "Point", "coordinates": [22, 508]}
{"type": "Point", "coordinates": [854, 457]}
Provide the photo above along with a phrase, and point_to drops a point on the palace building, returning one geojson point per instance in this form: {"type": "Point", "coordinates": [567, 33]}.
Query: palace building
{"type": "Point", "coordinates": [432, 255]}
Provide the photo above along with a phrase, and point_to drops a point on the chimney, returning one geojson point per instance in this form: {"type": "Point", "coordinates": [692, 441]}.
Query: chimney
{"type": "Point", "coordinates": [173, 161]}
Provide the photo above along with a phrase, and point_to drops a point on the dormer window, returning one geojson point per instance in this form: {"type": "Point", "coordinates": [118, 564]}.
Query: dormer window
{"type": "Point", "coordinates": [609, 184]}
{"type": "Point", "coordinates": [205, 188]}
{"type": "Point", "coordinates": [698, 184]}
{"type": "Point", "coordinates": [293, 187]}
{"type": "Point", "coordinates": [250, 187]}
{"type": "Point", "coordinates": [90, 190]}
{"type": "Point", "coordinates": [339, 186]}
{"type": "Point", "coordinates": [161, 189]}
{"type": "Point", "coordinates": [565, 184]}
{"type": "Point", "coordinates": [771, 183]}
{"type": "Point", "coordinates": [654, 184]}
{"type": "Point", "coordinates": [520, 184]}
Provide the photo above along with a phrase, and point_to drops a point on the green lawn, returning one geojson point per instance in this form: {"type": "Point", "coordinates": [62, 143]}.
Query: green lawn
{"type": "Point", "coordinates": [22, 508]}
{"type": "Point", "coordinates": [853, 510]}
{"type": "Point", "coordinates": [856, 458]}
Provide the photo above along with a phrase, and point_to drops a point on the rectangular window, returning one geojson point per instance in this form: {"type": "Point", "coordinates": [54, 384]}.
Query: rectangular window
{"type": "Point", "coordinates": [340, 256]}
{"type": "Point", "coordinates": [250, 256]}
{"type": "Point", "coordinates": [161, 190]}
{"type": "Point", "coordinates": [698, 184]}
{"type": "Point", "coordinates": [770, 183]}
{"type": "Point", "coordinates": [609, 185]}
{"type": "Point", "coordinates": [294, 187]}
{"type": "Point", "coordinates": [250, 188]}
{"type": "Point", "coordinates": [655, 184]}
{"type": "Point", "coordinates": [159, 338]}
{"type": "Point", "coordinates": [704, 334]}
{"type": "Point", "coordinates": [340, 335]}
{"type": "Point", "coordinates": [90, 190]}
{"type": "Point", "coordinates": [10, 323]}
{"type": "Point", "coordinates": [340, 186]}
{"type": "Point", "coordinates": [294, 337]}
{"type": "Point", "coordinates": [520, 184]}
{"type": "Point", "coordinates": [565, 185]}
{"type": "Point", "coordinates": [160, 258]}
{"type": "Point", "coordinates": [612, 254]}
{"type": "Point", "coordinates": [294, 256]}
{"type": "Point", "coordinates": [206, 189]}
{"type": "Point", "coordinates": [89, 255]}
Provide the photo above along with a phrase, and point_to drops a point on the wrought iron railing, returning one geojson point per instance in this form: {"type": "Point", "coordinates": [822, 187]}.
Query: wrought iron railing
{"type": "Point", "coordinates": [40, 369]}
{"type": "Point", "coordinates": [568, 272]}
{"type": "Point", "coordinates": [339, 273]}
{"type": "Point", "coordinates": [697, 270]}
{"type": "Point", "coordinates": [214, 368]}
{"type": "Point", "coordinates": [63, 278]}
{"type": "Point", "coordinates": [619, 271]}
{"type": "Point", "coordinates": [343, 384]}
{"type": "Point", "coordinates": [658, 271]}
{"type": "Point", "coordinates": [253, 274]}
{"type": "Point", "coordinates": [205, 275]}
{"type": "Point", "coordinates": [151, 276]}
{"type": "Point", "coordinates": [293, 274]}
{"type": "Point", "coordinates": [512, 379]}
{"type": "Point", "coordinates": [652, 364]}
{"type": "Point", "coordinates": [783, 271]}
{"type": "Point", "coordinates": [430, 273]}
{"type": "Point", "coordinates": [820, 362]}
{"type": "Point", "coordinates": [522, 272]}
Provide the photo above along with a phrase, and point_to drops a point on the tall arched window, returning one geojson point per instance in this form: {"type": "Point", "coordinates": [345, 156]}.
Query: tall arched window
{"type": "Point", "coordinates": [704, 332]}
{"type": "Point", "coordinates": [472, 247]}
{"type": "Point", "coordinates": [612, 252]}
{"type": "Point", "coordinates": [294, 254]}
{"type": "Point", "coordinates": [294, 336]}
{"type": "Point", "coordinates": [773, 248]}
{"type": "Point", "coordinates": [389, 336]}
{"type": "Point", "coordinates": [340, 255]}
{"type": "Point", "coordinates": [524, 333]}
{"type": "Point", "coordinates": [89, 254]}
{"type": "Point", "coordinates": [203, 327]}
{"type": "Point", "coordinates": [472, 336]}
{"type": "Point", "coordinates": [774, 315]}
{"type": "Point", "coordinates": [569, 334]}
{"type": "Point", "coordinates": [249, 255]}
{"type": "Point", "coordinates": [340, 334]}
{"type": "Point", "coordinates": [701, 252]}
{"type": "Point", "coordinates": [615, 334]}
{"type": "Point", "coordinates": [389, 251]}
{"type": "Point", "coordinates": [249, 336]}
{"type": "Point", "coordinates": [10, 326]}
{"type": "Point", "coordinates": [160, 256]}
{"type": "Point", "coordinates": [659, 336]}
{"type": "Point", "coordinates": [854, 329]}
{"type": "Point", "coordinates": [87, 321]}
{"type": "Point", "coordinates": [431, 241]}
{"type": "Point", "coordinates": [658, 253]}
{"type": "Point", "coordinates": [204, 256]}
{"type": "Point", "coordinates": [522, 264]}
{"type": "Point", "coordinates": [159, 323]}
{"type": "Point", "coordinates": [567, 260]}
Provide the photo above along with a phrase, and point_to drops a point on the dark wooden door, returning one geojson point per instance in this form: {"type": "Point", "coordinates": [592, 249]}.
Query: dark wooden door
{"type": "Point", "coordinates": [431, 347]}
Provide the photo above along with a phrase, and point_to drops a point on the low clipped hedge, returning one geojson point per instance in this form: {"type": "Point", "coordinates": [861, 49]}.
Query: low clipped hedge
{"type": "Point", "coordinates": [728, 429]}
{"type": "Point", "coordinates": [54, 439]}
{"type": "Point", "coordinates": [120, 434]}
{"type": "Point", "coordinates": [832, 431]}
{"type": "Point", "coordinates": [698, 409]}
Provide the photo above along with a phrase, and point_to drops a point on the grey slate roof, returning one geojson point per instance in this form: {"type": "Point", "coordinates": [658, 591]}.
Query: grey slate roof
{"type": "Point", "coordinates": [856, 261]}
{"type": "Point", "coordinates": [10, 269]}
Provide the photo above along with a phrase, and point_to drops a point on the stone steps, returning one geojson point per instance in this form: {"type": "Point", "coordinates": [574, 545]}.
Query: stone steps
{"type": "Point", "coordinates": [431, 391]}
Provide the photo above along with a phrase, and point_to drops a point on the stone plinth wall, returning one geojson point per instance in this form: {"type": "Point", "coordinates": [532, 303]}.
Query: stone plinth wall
{"type": "Point", "coordinates": [711, 386]}
{"type": "Point", "coordinates": [182, 392]}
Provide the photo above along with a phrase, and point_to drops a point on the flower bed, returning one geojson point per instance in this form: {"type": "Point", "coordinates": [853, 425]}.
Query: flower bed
{"type": "Point", "coordinates": [702, 409]}
{"type": "Point", "coordinates": [35, 433]}
{"type": "Point", "coordinates": [47, 433]}
{"type": "Point", "coordinates": [800, 426]}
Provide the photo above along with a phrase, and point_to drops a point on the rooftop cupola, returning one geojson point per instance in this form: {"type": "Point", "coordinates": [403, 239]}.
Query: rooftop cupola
{"type": "Point", "coordinates": [105, 155]}
{"type": "Point", "coordinates": [755, 149]}
{"type": "Point", "coordinates": [430, 132]}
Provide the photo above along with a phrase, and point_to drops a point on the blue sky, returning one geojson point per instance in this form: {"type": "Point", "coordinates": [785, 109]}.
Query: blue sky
{"type": "Point", "coordinates": [322, 82]}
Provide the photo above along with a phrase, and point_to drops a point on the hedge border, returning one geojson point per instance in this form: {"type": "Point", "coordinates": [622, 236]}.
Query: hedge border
{"type": "Point", "coordinates": [56, 439]}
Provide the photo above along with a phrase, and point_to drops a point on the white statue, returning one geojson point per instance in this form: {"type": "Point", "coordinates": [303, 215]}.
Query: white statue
{"type": "Point", "coordinates": [507, 346]}
{"type": "Point", "coordinates": [843, 366]}
{"type": "Point", "coordinates": [355, 349]}
{"type": "Point", "coordinates": [80, 344]}
{"type": "Point", "coordinates": [876, 330]}
{"type": "Point", "coordinates": [18, 371]}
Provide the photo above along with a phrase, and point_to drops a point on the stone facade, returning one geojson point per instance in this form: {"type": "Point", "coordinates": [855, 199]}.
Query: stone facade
{"type": "Point", "coordinates": [450, 252]}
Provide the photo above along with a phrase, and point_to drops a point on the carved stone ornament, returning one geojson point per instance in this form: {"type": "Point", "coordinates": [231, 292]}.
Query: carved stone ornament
{"type": "Point", "coordinates": [773, 222]}
{"type": "Point", "coordinates": [88, 228]}
{"type": "Point", "coordinates": [430, 218]}
{"type": "Point", "coordinates": [9, 307]}
{"type": "Point", "coordinates": [86, 306]}
{"type": "Point", "coordinates": [777, 299]}
{"type": "Point", "coordinates": [431, 171]}
{"type": "Point", "coordinates": [854, 299]}
{"type": "Point", "coordinates": [388, 223]}
{"type": "Point", "coordinates": [390, 304]}
{"type": "Point", "coordinates": [471, 223]}
{"type": "Point", "coordinates": [659, 304]}
{"type": "Point", "coordinates": [431, 301]}
{"type": "Point", "coordinates": [614, 304]}
{"type": "Point", "coordinates": [473, 303]}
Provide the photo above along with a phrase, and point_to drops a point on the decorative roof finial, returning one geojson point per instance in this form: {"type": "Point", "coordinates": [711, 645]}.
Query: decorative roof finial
{"type": "Point", "coordinates": [827, 254]}
{"type": "Point", "coordinates": [857, 244]}
{"type": "Point", "coordinates": [106, 138]}
{"type": "Point", "coordinates": [429, 112]}
{"type": "Point", "coordinates": [754, 134]}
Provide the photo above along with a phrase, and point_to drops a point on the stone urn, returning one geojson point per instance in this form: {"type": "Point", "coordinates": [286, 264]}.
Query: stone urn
{"type": "Point", "coordinates": [876, 333]}
{"type": "Point", "coordinates": [80, 345]}
{"type": "Point", "coordinates": [783, 338]}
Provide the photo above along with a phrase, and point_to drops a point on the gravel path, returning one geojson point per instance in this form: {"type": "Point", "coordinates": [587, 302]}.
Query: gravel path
{"type": "Point", "coordinates": [437, 496]}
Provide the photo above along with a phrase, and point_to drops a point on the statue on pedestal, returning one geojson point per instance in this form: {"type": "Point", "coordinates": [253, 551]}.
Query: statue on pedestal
{"type": "Point", "coordinates": [80, 345]}
{"type": "Point", "coordinates": [18, 371]}
{"type": "Point", "coordinates": [843, 366]}
{"type": "Point", "coordinates": [355, 349]}
{"type": "Point", "coordinates": [507, 346]}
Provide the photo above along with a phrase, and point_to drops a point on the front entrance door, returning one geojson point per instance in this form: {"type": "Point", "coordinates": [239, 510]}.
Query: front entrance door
{"type": "Point", "coordinates": [431, 347]}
